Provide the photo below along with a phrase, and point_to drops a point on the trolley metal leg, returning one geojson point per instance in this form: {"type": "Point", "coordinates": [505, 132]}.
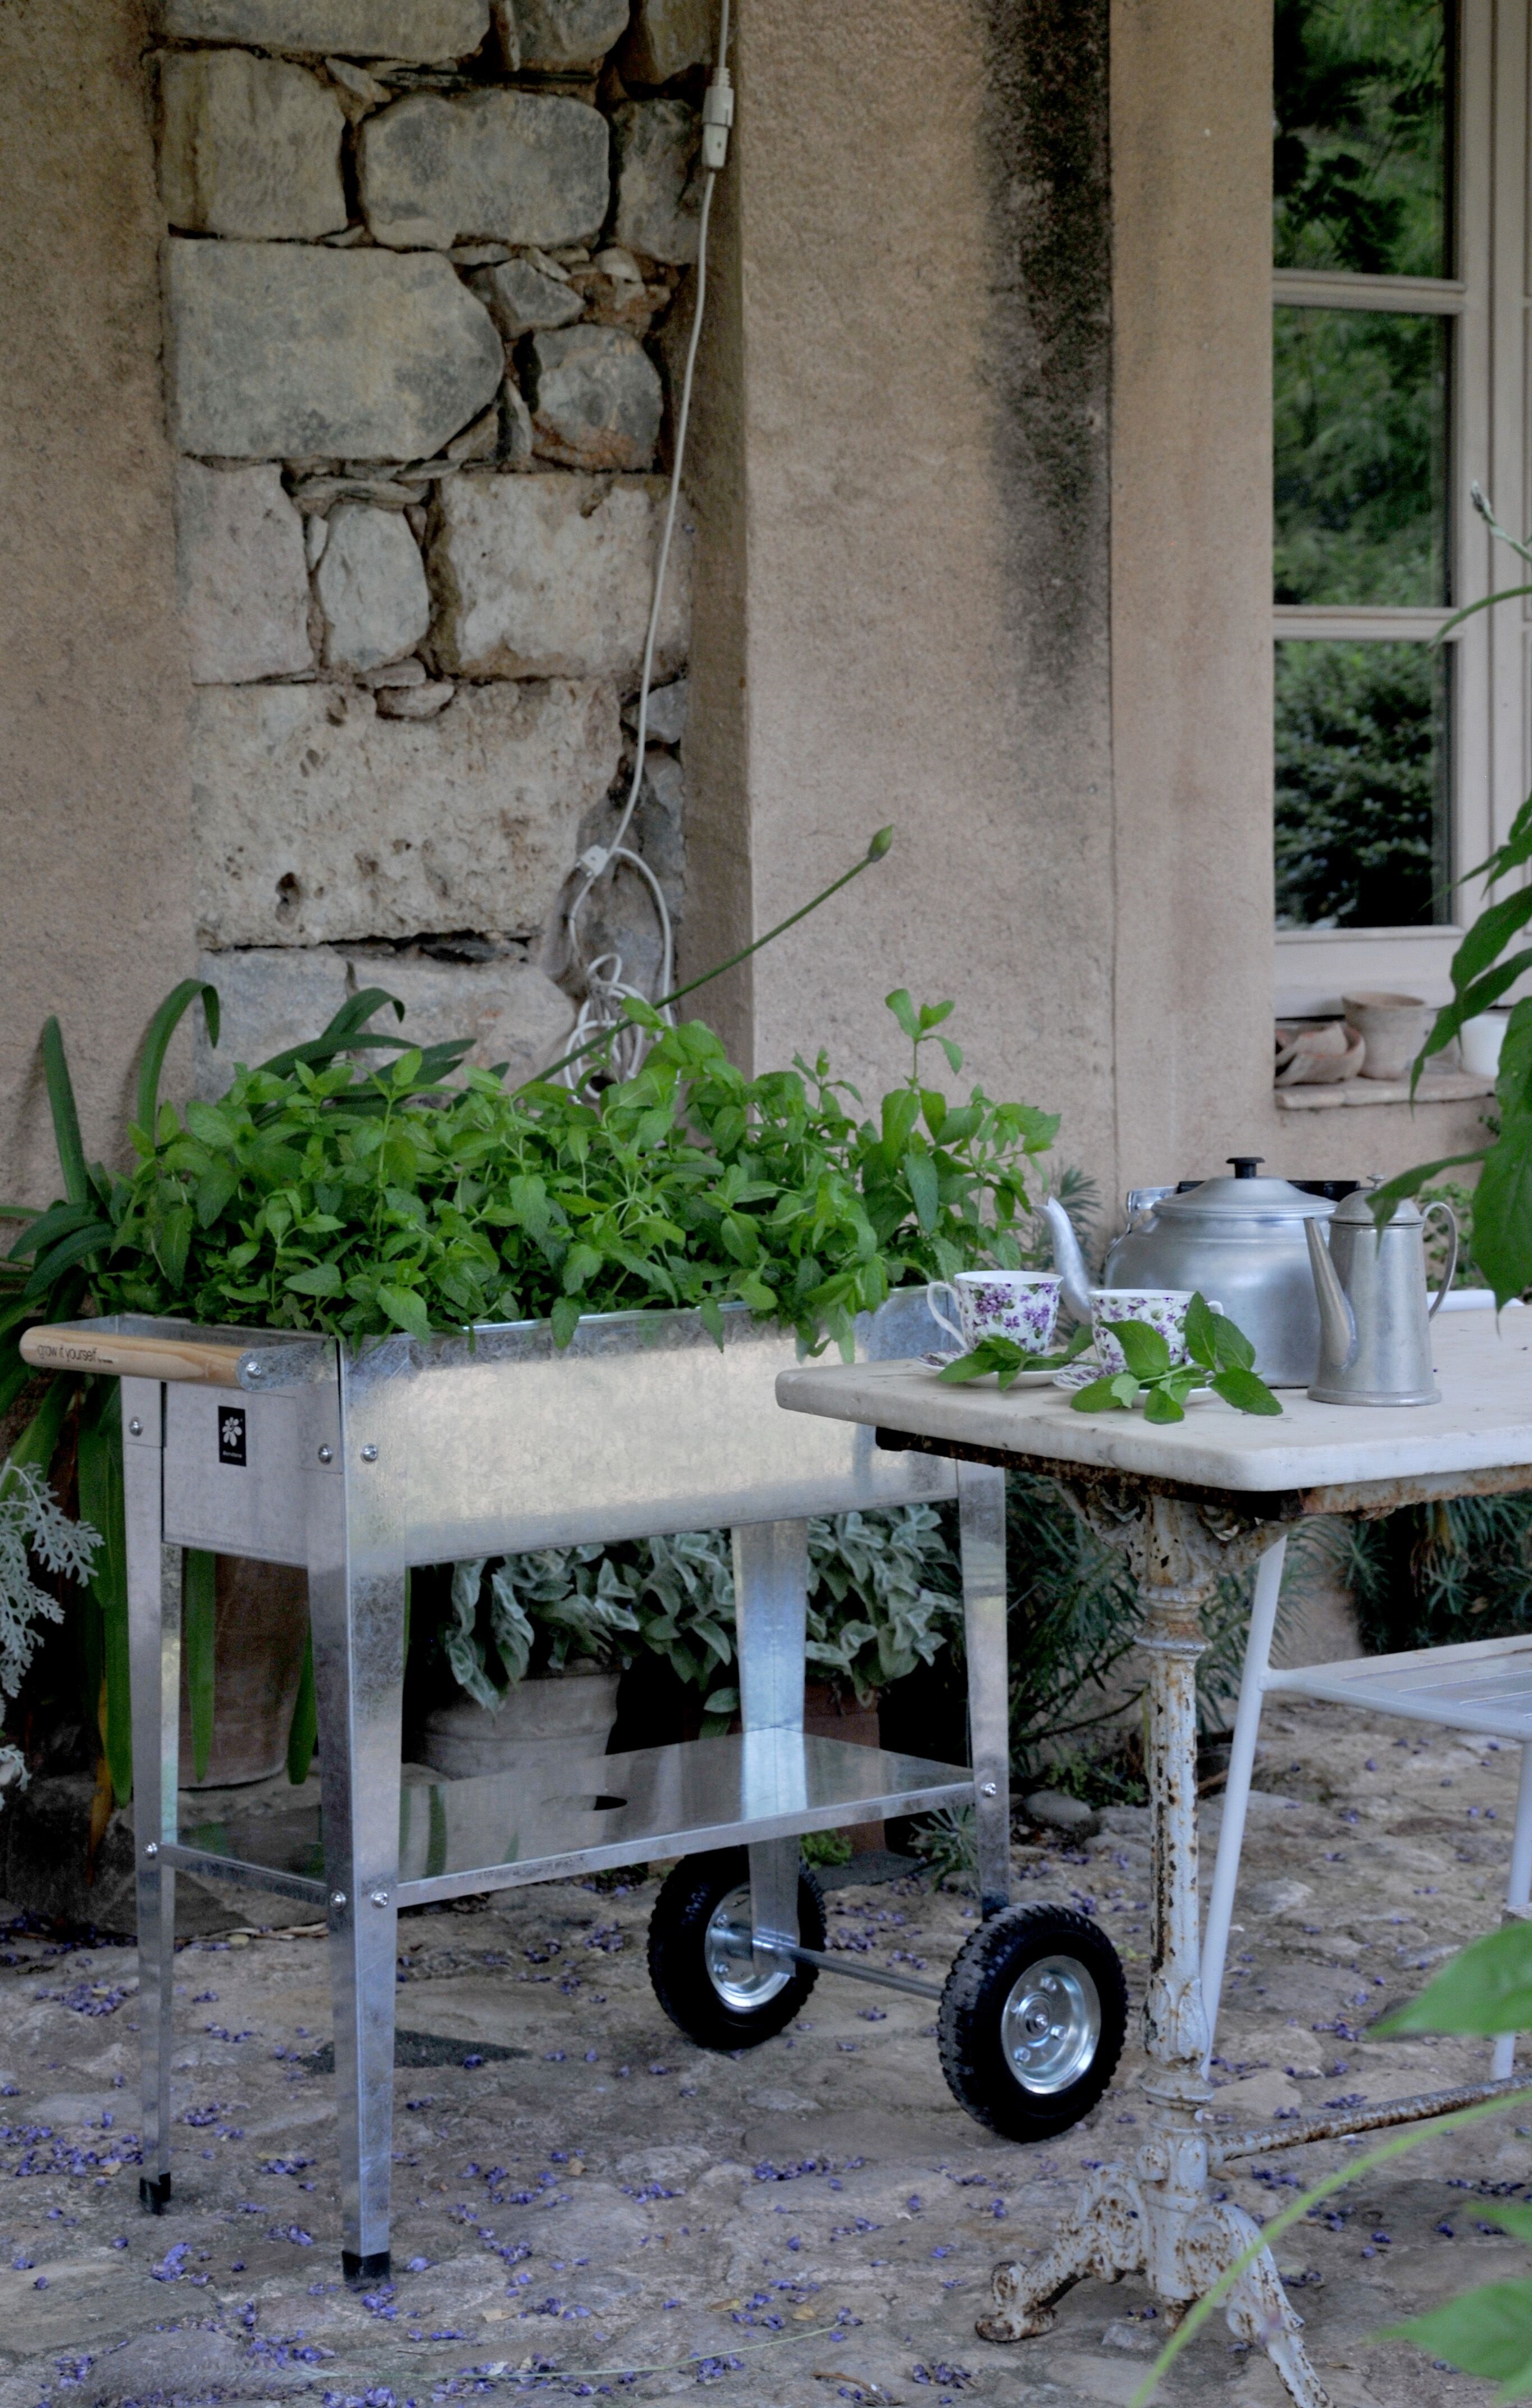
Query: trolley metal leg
{"type": "Point", "coordinates": [1519, 1888]}
{"type": "Point", "coordinates": [154, 1619]}
{"type": "Point", "coordinates": [358, 1619]}
{"type": "Point", "coordinates": [982, 1520]}
{"type": "Point", "coordinates": [771, 1606]}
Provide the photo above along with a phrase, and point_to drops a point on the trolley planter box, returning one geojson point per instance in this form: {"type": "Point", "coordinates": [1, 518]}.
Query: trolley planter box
{"type": "Point", "coordinates": [292, 1450]}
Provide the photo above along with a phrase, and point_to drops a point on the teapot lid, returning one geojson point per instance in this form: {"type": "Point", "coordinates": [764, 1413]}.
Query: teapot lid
{"type": "Point", "coordinates": [1246, 1197]}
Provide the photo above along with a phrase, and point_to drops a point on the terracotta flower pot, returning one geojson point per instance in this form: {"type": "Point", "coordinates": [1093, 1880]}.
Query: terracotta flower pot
{"type": "Point", "coordinates": [542, 1724]}
{"type": "Point", "coordinates": [260, 1624]}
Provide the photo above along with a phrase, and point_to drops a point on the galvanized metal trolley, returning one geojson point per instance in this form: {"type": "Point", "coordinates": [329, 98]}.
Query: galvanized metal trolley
{"type": "Point", "coordinates": [291, 1449]}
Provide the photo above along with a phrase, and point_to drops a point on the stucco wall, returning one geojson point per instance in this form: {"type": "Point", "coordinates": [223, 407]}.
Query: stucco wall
{"type": "Point", "coordinates": [96, 918]}
{"type": "Point", "coordinates": [920, 196]}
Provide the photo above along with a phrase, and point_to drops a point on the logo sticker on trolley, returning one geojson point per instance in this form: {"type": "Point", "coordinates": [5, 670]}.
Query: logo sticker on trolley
{"type": "Point", "coordinates": [231, 1435]}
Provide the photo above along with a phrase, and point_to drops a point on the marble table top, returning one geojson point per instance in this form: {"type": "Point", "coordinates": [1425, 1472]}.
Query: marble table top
{"type": "Point", "coordinates": [1483, 1422]}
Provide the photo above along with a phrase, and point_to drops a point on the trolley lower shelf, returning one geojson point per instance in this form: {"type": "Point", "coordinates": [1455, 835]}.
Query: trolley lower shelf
{"type": "Point", "coordinates": [495, 1832]}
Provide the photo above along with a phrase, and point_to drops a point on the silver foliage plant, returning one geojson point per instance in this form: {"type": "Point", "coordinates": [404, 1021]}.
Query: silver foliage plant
{"type": "Point", "coordinates": [33, 1528]}
{"type": "Point", "coordinates": [881, 1598]}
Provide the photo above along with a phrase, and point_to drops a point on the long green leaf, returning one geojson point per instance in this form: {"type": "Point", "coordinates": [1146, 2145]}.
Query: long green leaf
{"type": "Point", "coordinates": [157, 1036]}
{"type": "Point", "coordinates": [304, 1729]}
{"type": "Point", "coordinates": [60, 1103]}
{"type": "Point", "coordinates": [339, 1033]}
{"type": "Point", "coordinates": [101, 1503]}
{"type": "Point", "coordinates": [63, 1256]}
{"type": "Point", "coordinates": [199, 1610]}
{"type": "Point", "coordinates": [1502, 1211]}
{"type": "Point", "coordinates": [1489, 936]}
{"type": "Point", "coordinates": [1486, 991]}
{"type": "Point", "coordinates": [1487, 2333]}
{"type": "Point", "coordinates": [1486, 1990]}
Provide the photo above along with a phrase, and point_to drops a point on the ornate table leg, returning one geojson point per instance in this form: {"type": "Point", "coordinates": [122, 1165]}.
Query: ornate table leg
{"type": "Point", "coordinates": [1155, 2217]}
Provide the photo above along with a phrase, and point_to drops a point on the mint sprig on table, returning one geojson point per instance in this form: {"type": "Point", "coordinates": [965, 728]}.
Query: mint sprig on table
{"type": "Point", "coordinates": [1223, 1360]}
{"type": "Point", "coordinates": [1003, 1355]}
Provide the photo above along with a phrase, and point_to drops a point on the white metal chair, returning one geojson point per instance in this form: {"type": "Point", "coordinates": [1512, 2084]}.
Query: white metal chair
{"type": "Point", "coordinates": [1484, 1686]}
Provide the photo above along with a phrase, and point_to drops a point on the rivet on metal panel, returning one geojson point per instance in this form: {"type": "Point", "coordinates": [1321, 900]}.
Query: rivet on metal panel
{"type": "Point", "coordinates": [369, 1455]}
{"type": "Point", "coordinates": [989, 1789]}
{"type": "Point", "coordinates": [379, 1897]}
{"type": "Point", "coordinates": [252, 1368]}
{"type": "Point", "coordinates": [135, 1427]}
{"type": "Point", "coordinates": [326, 1454]}
{"type": "Point", "coordinates": [337, 1898]}
{"type": "Point", "coordinates": [152, 1847]}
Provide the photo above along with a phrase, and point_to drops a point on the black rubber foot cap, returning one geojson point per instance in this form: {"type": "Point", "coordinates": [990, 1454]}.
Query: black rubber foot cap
{"type": "Point", "coordinates": [373, 2269]}
{"type": "Point", "coordinates": [155, 2193]}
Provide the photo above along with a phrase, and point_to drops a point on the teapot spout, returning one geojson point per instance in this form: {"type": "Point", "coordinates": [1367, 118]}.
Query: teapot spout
{"type": "Point", "coordinates": [1337, 1321]}
{"type": "Point", "coordinates": [1069, 1261]}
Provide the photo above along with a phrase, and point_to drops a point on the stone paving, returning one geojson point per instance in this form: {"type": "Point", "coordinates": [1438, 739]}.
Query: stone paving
{"type": "Point", "coordinates": [602, 2210]}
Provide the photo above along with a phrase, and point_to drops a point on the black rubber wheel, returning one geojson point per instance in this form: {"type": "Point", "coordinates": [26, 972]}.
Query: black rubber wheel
{"type": "Point", "coordinates": [706, 1982]}
{"type": "Point", "coordinates": [1032, 2021]}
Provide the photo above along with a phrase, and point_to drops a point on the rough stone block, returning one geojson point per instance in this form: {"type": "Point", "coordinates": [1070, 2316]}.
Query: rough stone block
{"type": "Point", "coordinates": [550, 35]}
{"type": "Point", "coordinates": [319, 821]}
{"type": "Point", "coordinates": [668, 38]}
{"type": "Point", "coordinates": [666, 723]}
{"type": "Point", "coordinates": [552, 577]}
{"type": "Point", "coordinates": [358, 29]}
{"type": "Point", "coordinates": [657, 203]}
{"type": "Point", "coordinates": [372, 588]}
{"type": "Point", "coordinates": [268, 999]}
{"type": "Point", "coordinates": [241, 579]}
{"type": "Point", "coordinates": [522, 300]}
{"type": "Point", "coordinates": [249, 147]}
{"type": "Point", "coordinates": [514, 1014]}
{"type": "Point", "coordinates": [278, 352]}
{"type": "Point", "coordinates": [596, 398]}
{"type": "Point", "coordinates": [503, 166]}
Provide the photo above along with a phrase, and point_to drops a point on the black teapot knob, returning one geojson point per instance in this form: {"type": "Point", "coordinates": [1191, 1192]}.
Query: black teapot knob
{"type": "Point", "coordinates": [1244, 1166]}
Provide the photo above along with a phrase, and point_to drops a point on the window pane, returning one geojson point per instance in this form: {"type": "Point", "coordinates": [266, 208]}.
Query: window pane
{"type": "Point", "coordinates": [1361, 438]}
{"type": "Point", "coordinates": [1359, 156]}
{"type": "Point", "coordinates": [1362, 755]}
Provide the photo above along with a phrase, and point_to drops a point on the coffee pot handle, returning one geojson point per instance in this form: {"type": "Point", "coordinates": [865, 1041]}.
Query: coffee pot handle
{"type": "Point", "coordinates": [1448, 1274]}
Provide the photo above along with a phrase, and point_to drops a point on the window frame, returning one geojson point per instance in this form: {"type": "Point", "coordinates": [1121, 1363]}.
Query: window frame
{"type": "Point", "coordinates": [1487, 440]}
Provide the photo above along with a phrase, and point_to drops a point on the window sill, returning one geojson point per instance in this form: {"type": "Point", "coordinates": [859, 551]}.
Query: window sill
{"type": "Point", "coordinates": [1443, 1087]}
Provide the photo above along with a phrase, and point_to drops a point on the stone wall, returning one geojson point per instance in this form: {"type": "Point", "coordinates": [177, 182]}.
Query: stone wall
{"type": "Point", "coordinates": [418, 265]}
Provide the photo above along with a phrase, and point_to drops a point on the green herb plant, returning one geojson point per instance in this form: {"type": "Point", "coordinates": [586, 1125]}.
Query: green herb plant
{"type": "Point", "coordinates": [331, 1190]}
{"type": "Point", "coordinates": [315, 1196]}
{"type": "Point", "coordinates": [883, 1601]}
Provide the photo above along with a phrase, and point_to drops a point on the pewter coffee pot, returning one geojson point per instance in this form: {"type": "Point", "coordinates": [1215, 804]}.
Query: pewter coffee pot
{"type": "Point", "coordinates": [1374, 1321]}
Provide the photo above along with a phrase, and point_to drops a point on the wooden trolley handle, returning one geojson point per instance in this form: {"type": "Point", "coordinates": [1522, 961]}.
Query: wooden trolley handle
{"type": "Point", "coordinates": [52, 1347]}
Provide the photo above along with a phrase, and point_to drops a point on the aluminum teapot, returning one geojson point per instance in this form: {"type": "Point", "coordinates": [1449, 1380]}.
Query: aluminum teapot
{"type": "Point", "coordinates": [1375, 1325]}
{"type": "Point", "coordinates": [1241, 1239]}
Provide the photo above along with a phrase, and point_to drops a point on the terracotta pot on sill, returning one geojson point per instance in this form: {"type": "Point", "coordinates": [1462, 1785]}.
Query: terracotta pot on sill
{"type": "Point", "coordinates": [260, 1626]}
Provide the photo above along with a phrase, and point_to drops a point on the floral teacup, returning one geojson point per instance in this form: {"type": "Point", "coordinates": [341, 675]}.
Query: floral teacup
{"type": "Point", "coordinates": [1019, 1305]}
{"type": "Point", "coordinates": [1159, 1307]}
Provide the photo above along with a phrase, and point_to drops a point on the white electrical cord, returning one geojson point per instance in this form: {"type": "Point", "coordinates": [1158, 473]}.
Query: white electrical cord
{"type": "Point", "coordinates": [606, 994]}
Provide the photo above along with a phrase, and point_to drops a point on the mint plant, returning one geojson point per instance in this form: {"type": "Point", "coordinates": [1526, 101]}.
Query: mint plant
{"type": "Point", "coordinates": [1223, 1360]}
{"type": "Point", "coordinates": [319, 1196]}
